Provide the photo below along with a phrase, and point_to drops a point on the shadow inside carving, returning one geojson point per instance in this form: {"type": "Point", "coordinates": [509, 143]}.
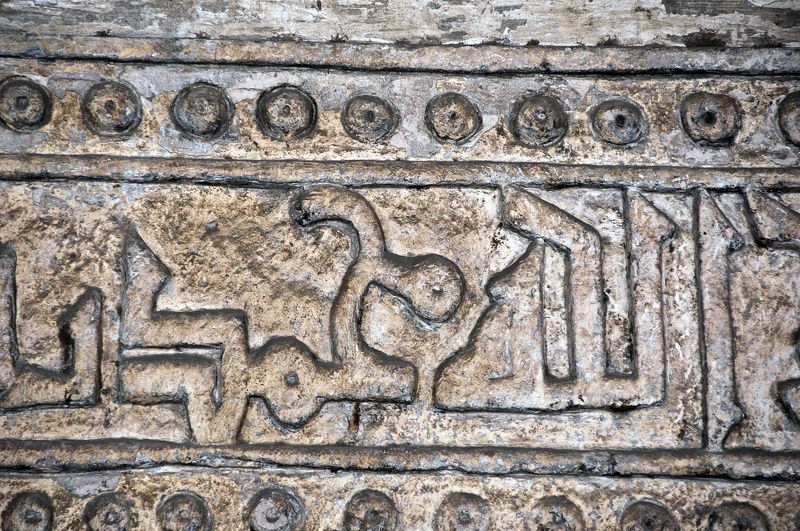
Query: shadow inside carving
{"type": "Point", "coordinates": [292, 379]}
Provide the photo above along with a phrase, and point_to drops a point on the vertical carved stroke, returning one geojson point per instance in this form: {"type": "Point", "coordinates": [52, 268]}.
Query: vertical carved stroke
{"type": "Point", "coordinates": [716, 239]}
{"type": "Point", "coordinates": [648, 232]}
{"type": "Point", "coordinates": [76, 382]}
{"type": "Point", "coordinates": [582, 249]}
{"type": "Point", "coordinates": [557, 286]}
{"type": "Point", "coordinates": [558, 345]}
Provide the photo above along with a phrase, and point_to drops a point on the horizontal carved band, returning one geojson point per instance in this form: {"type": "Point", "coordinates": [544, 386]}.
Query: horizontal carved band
{"type": "Point", "coordinates": [422, 57]}
{"type": "Point", "coordinates": [252, 114]}
{"type": "Point", "coordinates": [183, 500]}
{"type": "Point", "coordinates": [603, 317]}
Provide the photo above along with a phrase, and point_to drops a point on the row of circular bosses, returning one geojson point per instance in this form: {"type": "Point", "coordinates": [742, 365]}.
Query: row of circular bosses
{"type": "Point", "coordinates": [204, 111]}
{"type": "Point", "coordinates": [278, 509]}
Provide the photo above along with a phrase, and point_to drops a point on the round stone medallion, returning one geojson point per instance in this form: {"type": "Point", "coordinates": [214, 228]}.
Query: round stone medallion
{"type": "Point", "coordinates": [112, 108]}
{"type": "Point", "coordinates": [28, 511]}
{"type": "Point", "coordinates": [202, 110]}
{"type": "Point", "coordinates": [648, 516]}
{"type": "Point", "coordinates": [108, 512]}
{"type": "Point", "coordinates": [556, 513]}
{"type": "Point", "coordinates": [462, 511]}
{"type": "Point", "coordinates": [286, 112]}
{"type": "Point", "coordinates": [184, 511]}
{"type": "Point", "coordinates": [276, 509]}
{"type": "Point", "coordinates": [369, 119]}
{"type": "Point", "coordinates": [24, 104]}
{"type": "Point", "coordinates": [370, 510]}
{"type": "Point", "coordinates": [789, 117]}
{"type": "Point", "coordinates": [710, 119]}
{"type": "Point", "coordinates": [538, 120]}
{"type": "Point", "coordinates": [735, 516]}
{"type": "Point", "coordinates": [618, 122]}
{"type": "Point", "coordinates": [452, 118]}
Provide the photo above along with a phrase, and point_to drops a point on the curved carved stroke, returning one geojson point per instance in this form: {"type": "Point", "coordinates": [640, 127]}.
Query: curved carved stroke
{"type": "Point", "coordinates": [292, 379]}
{"type": "Point", "coordinates": [431, 286]}
{"type": "Point", "coordinates": [23, 384]}
{"type": "Point", "coordinates": [555, 290]}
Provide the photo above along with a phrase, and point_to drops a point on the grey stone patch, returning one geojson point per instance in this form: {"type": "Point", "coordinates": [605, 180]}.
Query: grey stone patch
{"type": "Point", "coordinates": [90, 485]}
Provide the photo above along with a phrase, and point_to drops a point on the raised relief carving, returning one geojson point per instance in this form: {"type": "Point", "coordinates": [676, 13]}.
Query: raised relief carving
{"type": "Point", "coordinates": [276, 509]}
{"type": "Point", "coordinates": [463, 511]}
{"type": "Point", "coordinates": [765, 280]}
{"type": "Point", "coordinates": [186, 499]}
{"type": "Point", "coordinates": [370, 510]}
{"type": "Point", "coordinates": [582, 299]}
{"type": "Point", "coordinates": [50, 299]}
{"type": "Point", "coordinates": [717, 240]}
{"type": "Point", "coordinates": [74, 381]}
{"type": "Point", "coordinates": [203, 358]}
{"type": "Point", "coordinates": [556, 513]}
{"type": "Point", "coordinates": [282, 285]}
{"type": "Point", "coordinates": [573, 322]}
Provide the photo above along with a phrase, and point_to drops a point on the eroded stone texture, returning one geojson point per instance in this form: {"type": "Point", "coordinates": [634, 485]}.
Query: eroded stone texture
{"type": "Point", "coordinates": [376, 288]}
{"type": "Point", "coordinates": [565, 23]}
{"type": "Point", "coordinates": [278, 499]}
{"type": "Point", "coordinates": [269, 114]}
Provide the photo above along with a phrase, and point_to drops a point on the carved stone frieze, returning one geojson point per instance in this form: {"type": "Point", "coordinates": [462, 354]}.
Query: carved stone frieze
{"type": "Point", "coordinates": [367, 286]}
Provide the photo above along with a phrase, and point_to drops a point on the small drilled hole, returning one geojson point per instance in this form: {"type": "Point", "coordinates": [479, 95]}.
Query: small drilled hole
{"type": "Point", "coordinates": [291, 379]}
{"type": "Point", "coordinates": [23, 102]}
{"type": "Point", "coordinates": [709, 118]}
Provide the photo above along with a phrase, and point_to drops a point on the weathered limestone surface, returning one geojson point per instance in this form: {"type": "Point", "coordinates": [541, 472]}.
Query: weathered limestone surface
{"type": "Point", "coordinates": [561, 23]}
{"type": "Point", "coordinates": [276, 266]}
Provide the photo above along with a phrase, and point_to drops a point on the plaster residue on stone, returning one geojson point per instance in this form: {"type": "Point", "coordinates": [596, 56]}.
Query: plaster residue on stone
{"type": "Point", "coordinates": [574, 22]}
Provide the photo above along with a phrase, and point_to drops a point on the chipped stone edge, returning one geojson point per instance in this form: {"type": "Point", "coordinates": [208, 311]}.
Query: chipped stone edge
{"type": "Point", "coordinates": [258, 174]}
{"type": "Point", "coordinates": [477, 59]}
{"type": "Point", "coordinates": [79, 456]}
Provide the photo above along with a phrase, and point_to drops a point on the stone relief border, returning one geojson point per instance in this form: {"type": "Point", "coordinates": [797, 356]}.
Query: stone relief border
{"type": "Point", "coordinates": [185, 498]}
{"type": "Point", "coordinates": [245, 113]}
{"type": "Point", "coordinates": [483, 59]}
{"type": "Point", "coordinates": [506, 487]}
{"type": "Point", "coordinates": [140, 343]}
